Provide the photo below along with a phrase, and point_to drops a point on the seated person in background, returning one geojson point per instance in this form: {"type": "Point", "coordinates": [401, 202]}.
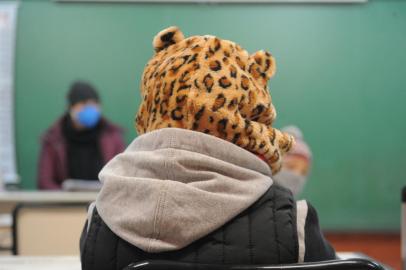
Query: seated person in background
{"type": "Point", "coordinates": [80, 143]}
{"type": "Point", "coordinates": [296, 163]}
{"type": "Point", "coordinates": [193, 187]}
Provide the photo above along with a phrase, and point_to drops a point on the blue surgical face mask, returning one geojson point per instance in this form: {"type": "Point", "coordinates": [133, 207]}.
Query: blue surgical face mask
{"type": "Point", "coordinates": [88, 116]}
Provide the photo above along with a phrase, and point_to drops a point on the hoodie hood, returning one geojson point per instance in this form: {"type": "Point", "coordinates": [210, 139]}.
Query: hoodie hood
{"type": "Point", "coordinates": [173, 186]}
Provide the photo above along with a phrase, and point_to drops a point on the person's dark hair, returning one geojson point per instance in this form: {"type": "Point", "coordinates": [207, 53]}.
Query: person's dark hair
{"type": "Point", "coordinates": [81, 91]}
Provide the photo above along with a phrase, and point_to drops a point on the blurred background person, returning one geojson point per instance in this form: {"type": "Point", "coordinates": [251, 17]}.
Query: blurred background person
{"type": "Point", "coordinates": [296, 163]}
{"type": "Point", "coordinates": [78, 144]}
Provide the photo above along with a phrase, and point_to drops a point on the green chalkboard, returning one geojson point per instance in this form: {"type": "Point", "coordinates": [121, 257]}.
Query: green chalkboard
{"type": "Point", "coordinates": [341, 77]}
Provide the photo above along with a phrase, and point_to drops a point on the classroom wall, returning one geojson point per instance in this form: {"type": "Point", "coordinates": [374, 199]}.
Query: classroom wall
{"type": "Point", "coordinates": [341, 78]}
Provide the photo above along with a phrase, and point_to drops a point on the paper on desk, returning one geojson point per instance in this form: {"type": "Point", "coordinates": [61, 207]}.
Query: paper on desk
{"type": "Point", "coordinates": [39, 263]}
{"type": "Point", "coordinates": [8, 13]}
{"type": "Point", "coordinates": [81, 185]}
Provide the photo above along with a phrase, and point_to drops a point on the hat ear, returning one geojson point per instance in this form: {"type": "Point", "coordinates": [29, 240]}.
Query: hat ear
{"type": "Point", "coordinates": [262, 66]}
{"type": "Point", "coordinates": [167, 37]}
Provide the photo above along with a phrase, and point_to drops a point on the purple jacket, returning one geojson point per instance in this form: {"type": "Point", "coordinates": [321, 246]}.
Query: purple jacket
{"type": "Point", "coordinates": [53, 167]}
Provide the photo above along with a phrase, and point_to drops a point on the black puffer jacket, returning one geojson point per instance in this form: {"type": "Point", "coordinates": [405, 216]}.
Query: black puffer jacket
{"type": "Point", "coordinates": [268, 232]}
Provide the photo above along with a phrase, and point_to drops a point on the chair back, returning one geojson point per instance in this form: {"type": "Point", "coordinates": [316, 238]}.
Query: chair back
{"type": "Point", "coordinates": [48, 229]}
{"type": "Point", "coordinates": [350, 264]}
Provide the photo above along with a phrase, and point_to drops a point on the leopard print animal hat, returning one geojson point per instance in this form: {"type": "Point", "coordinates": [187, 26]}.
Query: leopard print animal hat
{"type": "Point", "coordinates": [214, 86]}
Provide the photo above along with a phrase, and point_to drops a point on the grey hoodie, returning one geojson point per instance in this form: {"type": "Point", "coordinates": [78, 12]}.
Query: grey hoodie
{"type": "Point", "coordinates": [173, 186]}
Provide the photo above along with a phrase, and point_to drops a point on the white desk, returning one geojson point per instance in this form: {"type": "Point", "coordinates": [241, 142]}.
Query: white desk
{"type": "Point", "coordinates": [39, 263]}
{"type": "Point", "coordinates": [8, 199]}
{"type": "Point", "coordinates": [46, 196]}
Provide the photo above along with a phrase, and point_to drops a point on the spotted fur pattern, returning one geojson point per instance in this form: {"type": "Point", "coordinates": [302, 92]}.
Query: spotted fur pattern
{"type": "Point", "coordinates": [214, 86]}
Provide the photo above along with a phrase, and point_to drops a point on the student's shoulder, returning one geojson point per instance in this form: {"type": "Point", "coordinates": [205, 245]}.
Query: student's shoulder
{"type": "Point", "coordinates": [281, 191]}
{"type": "Point", "coordinates": [110, 127]}
{"type": "Point", "coordinates": [53, 132]}
{"type": "Point", "coordinates": [279, 197]}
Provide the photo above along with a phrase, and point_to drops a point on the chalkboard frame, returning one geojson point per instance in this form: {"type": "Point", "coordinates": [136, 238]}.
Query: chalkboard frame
{"type": "Point", "coordinates": [222, 1]}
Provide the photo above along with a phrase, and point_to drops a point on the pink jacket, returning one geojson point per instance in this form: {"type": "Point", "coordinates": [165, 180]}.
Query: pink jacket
{"type": "Point", "coordinates": [53, 168]}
